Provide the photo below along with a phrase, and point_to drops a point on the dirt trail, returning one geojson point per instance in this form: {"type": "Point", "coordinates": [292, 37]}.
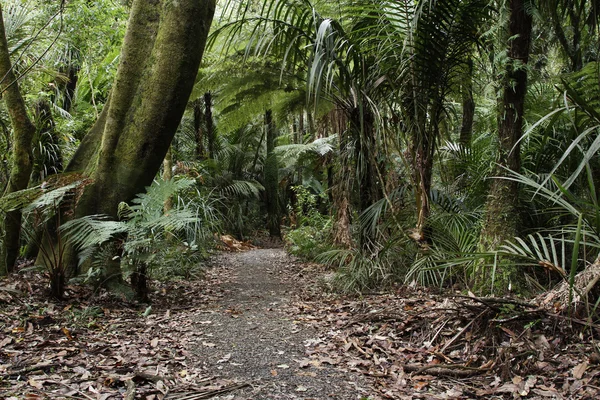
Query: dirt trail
{"type": "Point", "coordinates": [250, 335]}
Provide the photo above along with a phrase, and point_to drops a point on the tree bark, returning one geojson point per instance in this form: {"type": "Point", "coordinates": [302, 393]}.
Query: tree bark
{"type": "Point", "coordinates": [362, 127]}
{"type": "Point", "coordinates": [210, 129]}
{"type": "Point", "coordinates": [468, 106]}
{"type": "Point", "coordinates": [271, 178]}
{"type": "Point", "coordinates": [340, 192]}
{"type": "Point", "coordinates": [22, 160]}
{"type": "Point", "coordinates": [199, 130]}
{"type": "Point", "coordinates": [159, 60]}
{"type": "Point", "coordinates": [501, 216]}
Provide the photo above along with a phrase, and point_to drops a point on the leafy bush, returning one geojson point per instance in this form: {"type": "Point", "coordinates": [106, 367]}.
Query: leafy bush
{"type": "Point", "coordinates": [312, 235]}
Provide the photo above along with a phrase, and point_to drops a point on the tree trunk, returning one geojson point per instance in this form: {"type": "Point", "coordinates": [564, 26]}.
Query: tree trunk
{"type": "Point", "coordinates": [167, 176]}
{"type": "Point", "coordinates": [199, 131]}
{"type": "Point", "coordinates": [501, 216]}
{"type": "Point", "coordinates": [210, 129]}
{"type": "Point", "coordinates": [159, 60]}
{"type": "Point", "coordinates": [340, 192]}
{"type": "Point", "coordinates": [468, 106]}
{"type": "Point", "coordinates": [22, 160]}
{"type": "Point", "coordinates": [47, 150]}
{"type": "Point", "coordinates": [271, 171]}
{"type": "Point", "coordinates": [363, 130]}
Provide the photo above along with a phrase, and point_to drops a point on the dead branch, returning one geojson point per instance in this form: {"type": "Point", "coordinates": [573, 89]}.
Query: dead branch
{"type": "Point", "coordinates": [455, 370]}
{"type": "Point", "coordinates": [33, 368]}
{"type": "Point", "coordinates": [130, 393]}
{"type": "Point", "coordinates": [208, 394]}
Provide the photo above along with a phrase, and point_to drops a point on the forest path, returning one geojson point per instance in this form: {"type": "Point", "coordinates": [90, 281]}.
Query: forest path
{"type": "Point", "coordinates": [250, 334]}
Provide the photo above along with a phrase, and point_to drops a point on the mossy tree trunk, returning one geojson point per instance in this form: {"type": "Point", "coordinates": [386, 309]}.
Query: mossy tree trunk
{"type": "Point", "coordinates": [22, 156]}
{"type": "Point", "coordinates": [501, 220]}
{"type": "Point", "coordinates": [159, 60]}
{"type": "Point", "coordinates": [271, 178]}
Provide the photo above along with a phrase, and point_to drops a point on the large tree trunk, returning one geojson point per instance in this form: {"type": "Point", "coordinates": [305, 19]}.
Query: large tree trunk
{"type": "Point", "coordinates": [22, 160]}
{"type": "Point", "coordinates": [271, 178]}
{"type": "Point", "coordinates": [501, 216]}
{"type": "Point", "coordinates": [159, 60]}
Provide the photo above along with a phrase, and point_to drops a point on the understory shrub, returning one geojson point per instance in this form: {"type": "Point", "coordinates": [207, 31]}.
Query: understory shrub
{"type": "Point", "coordinates": [312, 233]}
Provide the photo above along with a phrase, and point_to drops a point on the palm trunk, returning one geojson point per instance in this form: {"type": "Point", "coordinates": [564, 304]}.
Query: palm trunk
{"type": "Point", "coordinates": [271, 178]}
{"type": "Point", "coordinates": [468, 106]}
{"type": "Point", "coordinates": [199, 130]}
{"type": "Point", "coordinates": [362, 127]}
{"type": "Point", "coordinates": [341, 191]}
{"type": "Point", "coordinates": [210, 129]}
{"type": "Point", "coordinates": [22, 161]}
{"type": "Point", "coordinates": [501, 216]}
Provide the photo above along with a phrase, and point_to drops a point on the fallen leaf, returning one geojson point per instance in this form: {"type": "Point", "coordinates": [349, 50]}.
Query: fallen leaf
{"type": "Point", "coordinates": [36, 384]}
{"type": "Point", "coordinates": [67, 333]}
{"type": "Point", "coordinates": [208, 344]}
{"type": "Point", "coordinates": [274, 372]}
{"type": "Point", "coordinates": [301, 389]}
{"type": "Point", "coordinates": [154, 342]}
{"type": "Point", "coordinates": [579, 370]}
{"type": "Point", "coordinates": [225, 358]}
{"type": "Point", "coordinates": [5, 341]}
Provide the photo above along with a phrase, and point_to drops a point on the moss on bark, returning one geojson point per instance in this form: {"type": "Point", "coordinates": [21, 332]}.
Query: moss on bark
{"type": "Point", "coordinates": [22, 156]}
{"type": "Point", "coordinates": [161, 54]}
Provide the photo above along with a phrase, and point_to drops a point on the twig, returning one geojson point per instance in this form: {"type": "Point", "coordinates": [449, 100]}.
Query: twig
{"type": "Point", "coordinates": [32, 368]}
{"type": "Point", "coordinates": [130, 393]}
{"type": "Point", "coordinates": [457, 370]}
{"type": "Point", "coordinates": [69, 387]}
{"type": "Point", "coordinates": [209, 394]}
{"type": "Point", "coordinates": [151, 377]}
{"type": "Point", "coordinates": [449, 343]}
{"type": "Point", "coordinates": [517, 316]}
{"type": "Point", "coordinates": [489, 301]}
{"type": "Point", "coordinates": [575, 320]}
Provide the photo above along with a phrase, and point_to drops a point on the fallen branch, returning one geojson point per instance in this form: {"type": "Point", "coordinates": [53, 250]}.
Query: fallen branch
{"type": "Point", "coordinates": [449, 343]}
{"type": "Point", "coordinates": [456, 370]}
{"type": "Point", "coordinates": [130, 393]}
{"type": "Point", "coordinates": [152, 377]}
{"type": "Point", "coordinates": [209, 394]}
{"type": "Point", "coordinates": [32, 368]}
{"type": "Point", "coordinates": [71, 388]}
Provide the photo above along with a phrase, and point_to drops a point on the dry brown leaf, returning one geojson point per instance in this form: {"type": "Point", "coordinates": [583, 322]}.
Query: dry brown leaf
{"type": "Point", "coordinates": [579, 370]}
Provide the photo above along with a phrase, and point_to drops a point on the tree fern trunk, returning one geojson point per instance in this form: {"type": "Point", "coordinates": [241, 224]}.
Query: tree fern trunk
{"type": "Point", "coordinates": [22, 160]}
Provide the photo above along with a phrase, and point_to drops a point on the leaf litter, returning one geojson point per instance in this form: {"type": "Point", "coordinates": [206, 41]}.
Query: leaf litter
{"type": "Point", "coordinates": [407, 343]}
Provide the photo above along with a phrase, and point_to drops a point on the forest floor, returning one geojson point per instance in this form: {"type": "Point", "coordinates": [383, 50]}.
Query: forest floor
{"type": "Point", "coordinates": [261, 325]}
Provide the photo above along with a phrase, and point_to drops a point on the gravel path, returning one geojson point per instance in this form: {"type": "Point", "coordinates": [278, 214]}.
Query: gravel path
{"type": "Point", "coordinates": [249, 335]}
